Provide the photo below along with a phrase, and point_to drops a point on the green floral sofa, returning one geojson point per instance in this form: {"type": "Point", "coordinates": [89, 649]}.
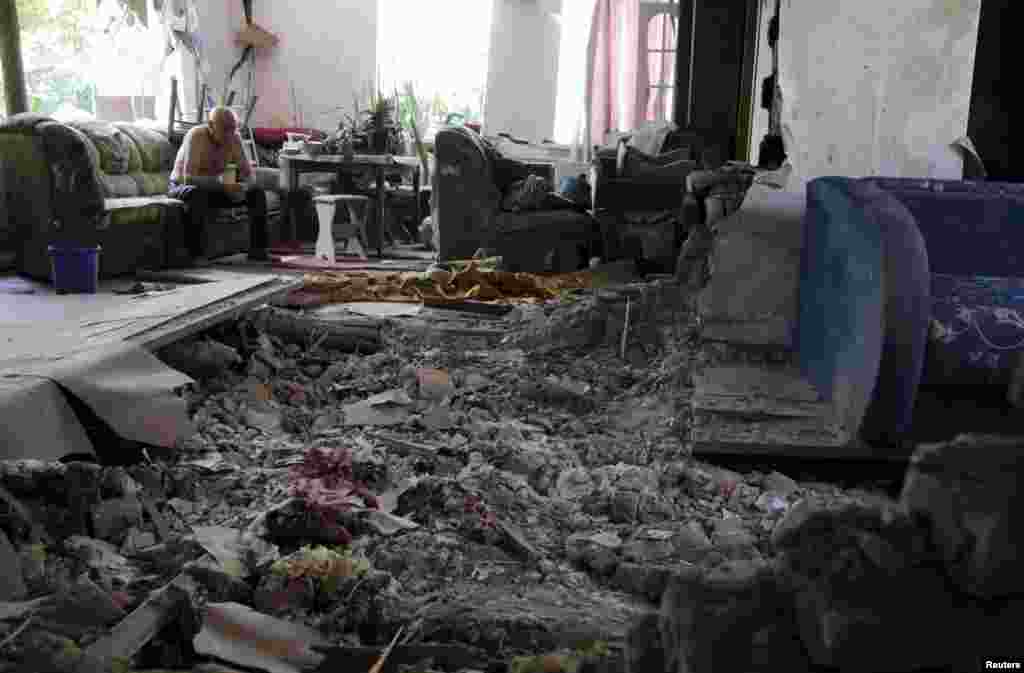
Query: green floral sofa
{"type": "Point", "coordinates": [95, 182]}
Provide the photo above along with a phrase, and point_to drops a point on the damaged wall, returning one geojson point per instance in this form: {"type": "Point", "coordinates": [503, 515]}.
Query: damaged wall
{"type": "Point", "coordinates": [873, 88]}
{"type": "Point", "coordinates": [522, 77]}
{"type": "Point", "coordinates": [326, 52]}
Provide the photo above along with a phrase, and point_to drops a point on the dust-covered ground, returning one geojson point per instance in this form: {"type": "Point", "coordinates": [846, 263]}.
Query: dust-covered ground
{"type": "Point", "coordinates": [512, 487]}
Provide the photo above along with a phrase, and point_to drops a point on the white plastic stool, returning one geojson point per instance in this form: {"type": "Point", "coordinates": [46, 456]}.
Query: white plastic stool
{"type": "Point", "coordinates": [351, 232]}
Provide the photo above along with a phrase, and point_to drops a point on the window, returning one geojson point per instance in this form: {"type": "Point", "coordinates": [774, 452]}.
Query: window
{"type": "Point", "coordinates": [572, 70]}
{"type": "Point", "coordinates": [441, 47]}
{"type": "Point", "coordinates": [659, 35]}
{"type": "Point", "coordinates": [89, 60]}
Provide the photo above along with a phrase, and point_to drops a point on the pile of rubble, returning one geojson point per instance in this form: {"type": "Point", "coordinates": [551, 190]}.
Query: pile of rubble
{"type": "Point", "coordinates": [930, 582]}
{"type": "Point", "coordinates": [489, 505]}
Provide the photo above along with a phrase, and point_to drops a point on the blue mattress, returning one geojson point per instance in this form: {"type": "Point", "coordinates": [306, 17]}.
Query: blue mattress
{"type": "Point", "coordinates": [977, 326]}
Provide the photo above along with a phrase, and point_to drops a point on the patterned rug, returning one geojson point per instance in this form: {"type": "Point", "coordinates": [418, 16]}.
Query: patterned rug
{"type": "Point", "coordinates": [977, 323]}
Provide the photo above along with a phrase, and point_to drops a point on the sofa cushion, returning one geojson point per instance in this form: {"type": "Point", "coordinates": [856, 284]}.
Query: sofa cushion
{"type": "Point", "coordinates": [839, 332]}
{"type": "Point", "coordinates": [151, 184]}
{"type": "Point", "coordinates": [156, 152]}
{"type": "Point", "coordinates": [134, 216]}
{"type": "Point", "coordinates": [970, 232]}
{"type": "Point", "coordinates": [120, 186]}
{"type": "Point", "coordinates": [976, 330]}
{"type": "Point", "coordinates": [117, 152]}
{"type": "Point", "coordinates": [906, 291]}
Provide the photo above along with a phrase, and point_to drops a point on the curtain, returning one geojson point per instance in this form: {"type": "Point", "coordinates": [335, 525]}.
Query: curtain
{"type": "Point", "coordinates": [613, 67]}
{"type": "Point", "coordinates": [659, 33]}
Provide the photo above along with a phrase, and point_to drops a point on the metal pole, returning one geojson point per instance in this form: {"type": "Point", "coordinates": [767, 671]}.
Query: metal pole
{"type": "Point", "coordinates": [15, 91]}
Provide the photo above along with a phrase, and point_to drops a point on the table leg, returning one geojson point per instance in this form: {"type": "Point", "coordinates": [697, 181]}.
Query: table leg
{"type": "Point", "coordinates": [380, 212]}
{"type": "Point", "coordinates": [292, 219]}
{"type": "Point", "coordinates": [416, 195]}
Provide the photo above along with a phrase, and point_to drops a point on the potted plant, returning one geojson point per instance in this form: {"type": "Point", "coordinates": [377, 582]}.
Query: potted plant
{"type": "Point", "coordinates": [348, 132]}
{"type": "Point", "coordinates": [416, 119]}
{"type": "Point", "coordinates": [378, 121]}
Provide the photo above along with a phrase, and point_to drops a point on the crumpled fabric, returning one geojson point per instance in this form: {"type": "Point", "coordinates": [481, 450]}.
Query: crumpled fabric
{"type": "Point", "coordinates": [469, 283]}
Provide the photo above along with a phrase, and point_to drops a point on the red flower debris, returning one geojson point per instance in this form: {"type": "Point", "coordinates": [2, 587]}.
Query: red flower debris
{"type": "Point", "coordinates": [325, 481]}
{"type": "Point", "coordinates": [474, 504]}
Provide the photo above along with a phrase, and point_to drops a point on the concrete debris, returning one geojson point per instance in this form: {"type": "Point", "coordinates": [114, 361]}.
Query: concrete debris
{"type": "Point", "coordinates": [388, 524]}
{"type": "Point", "coordinates": [969, 490]}
{"type": "Point", "coordinates": [238, 634]}
{"type": "Point", "coordinates": [530, 502]}
{"type": "Point", "coordinates": [386, 409]}
{"type": "Point", "coordinates": [434, 384]}
{"type": "Point", "coordinates": [237, 551]}
{"type": "Point", "coordinates": [79, 609]}
{"type": "Point", "coordinates": [112, 519]}
{"type": "Point", "coordinates": [202, 359]}
{"type": "Point", "coordinates": [356, 334]}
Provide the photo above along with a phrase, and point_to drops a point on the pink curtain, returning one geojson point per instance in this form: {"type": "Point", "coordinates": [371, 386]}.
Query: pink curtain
{"type": "Point", "coordinates": [614, 57]}
{"type": "Point", "coordinates": [659, 33]}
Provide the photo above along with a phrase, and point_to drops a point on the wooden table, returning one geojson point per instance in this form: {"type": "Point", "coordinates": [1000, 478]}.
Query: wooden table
{"type": "Point", "coordinates": [298, 164]}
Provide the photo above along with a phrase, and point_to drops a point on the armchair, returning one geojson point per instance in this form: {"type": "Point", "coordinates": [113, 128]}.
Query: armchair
{"type": "Point", "coordinates": [467, 210]}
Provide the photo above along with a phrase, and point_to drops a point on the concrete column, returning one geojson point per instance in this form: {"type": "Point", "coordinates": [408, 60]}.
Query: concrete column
{"type": "Point", "coordinates": [10, 59]}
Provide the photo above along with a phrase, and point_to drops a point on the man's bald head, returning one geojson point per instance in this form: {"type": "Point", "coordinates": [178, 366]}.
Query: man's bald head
{"type": "Point", "coordinates": [223, 124]}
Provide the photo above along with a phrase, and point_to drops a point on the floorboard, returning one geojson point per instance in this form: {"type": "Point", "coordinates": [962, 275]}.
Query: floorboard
{"type": "Point", "coordinates": [38, 324]}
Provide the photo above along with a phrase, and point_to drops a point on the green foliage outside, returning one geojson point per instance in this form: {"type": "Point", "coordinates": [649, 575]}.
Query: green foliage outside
{"type": "Point", "coordinates": [62, 35]}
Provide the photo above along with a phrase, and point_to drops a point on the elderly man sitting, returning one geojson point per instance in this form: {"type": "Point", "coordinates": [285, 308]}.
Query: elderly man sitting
{"type": "Point", "coordinates": [199, 180]}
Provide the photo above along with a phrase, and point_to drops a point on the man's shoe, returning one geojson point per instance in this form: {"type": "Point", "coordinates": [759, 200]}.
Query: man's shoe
{"type": "Point", "coordinates": [258, 256]}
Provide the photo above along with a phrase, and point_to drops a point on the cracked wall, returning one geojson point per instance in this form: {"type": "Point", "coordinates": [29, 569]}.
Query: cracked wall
{"type": "Point", "coordinates": [873, 88]}
{"type": "Point", "coordinates": [327, 52]}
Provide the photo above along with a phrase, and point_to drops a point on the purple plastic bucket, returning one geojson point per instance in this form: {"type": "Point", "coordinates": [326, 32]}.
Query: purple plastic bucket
{"type": "Point", "coordinates": [74, 270]}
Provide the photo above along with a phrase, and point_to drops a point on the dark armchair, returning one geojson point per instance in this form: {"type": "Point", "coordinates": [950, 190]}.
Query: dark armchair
{"type": "Point", "coordinates": [468, 189]}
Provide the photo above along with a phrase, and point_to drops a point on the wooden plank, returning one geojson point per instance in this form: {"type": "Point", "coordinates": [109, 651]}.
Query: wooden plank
{"type": "Point", "coordinates": [226, 308]}
{"type": "Point", "coordinates": [351, 334]}
{"type": "Point", "coordinates": [756, 406]}
{"type": "Point", "coordinates": [713, 428]}
{"type": "Point", "coordinates": [808, 452]}
{"type": "Point", "coordinates": [773, 332]}
{"type": "Point", "coordinates": [778, 382]}
{"type": "Point", "coordinates": [45, 326]}
{"type": "Point", "coordinates": [162, 607]}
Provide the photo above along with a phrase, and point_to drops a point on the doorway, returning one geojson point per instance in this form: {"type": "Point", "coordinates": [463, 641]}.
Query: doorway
{"type": "Point", "coordinates": [715, 66]}
{"type": "Point", "coordinates": [991, 107]}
